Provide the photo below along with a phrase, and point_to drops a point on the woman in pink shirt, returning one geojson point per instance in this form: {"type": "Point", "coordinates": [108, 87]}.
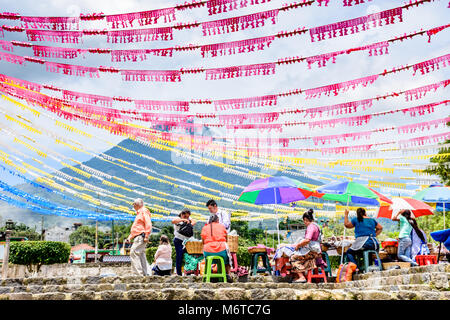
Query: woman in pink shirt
{"type": "Point", "coordinates": [214, 236]}
{"type": "Point", "coordinates": [308, 253]}
{"type": "Point", "coordinates": [163, 257]}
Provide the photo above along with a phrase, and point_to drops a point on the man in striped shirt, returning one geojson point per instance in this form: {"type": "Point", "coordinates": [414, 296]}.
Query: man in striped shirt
{"type": "Point", "coordinates": [140, 231]}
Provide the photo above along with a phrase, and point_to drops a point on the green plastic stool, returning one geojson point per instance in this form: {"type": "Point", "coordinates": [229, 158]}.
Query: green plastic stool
{"type": "Point", "coordinates": [327, 260]}
{"type": "Point", "coordinates": [265, 259]}
{"type": "Point", "coordinates": [221, 272]}
{"type": "Point", "coordinates": [363, 262]}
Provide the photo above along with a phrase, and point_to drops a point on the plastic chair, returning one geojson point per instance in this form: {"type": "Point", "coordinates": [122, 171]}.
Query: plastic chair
{"type": "Point", "coordinates": [327, 260]}
{"type": "Point", "coordinates": [315, 274]}
{"type": "Point", "coordinates": [221, 272]}
{"type": "Point", "coordinates": [367, 254]}
{"type": "Point", "coordinates": [235, 263]}
{"type": "Point", "coordinates": [424, 260]}
{"type": "Point", "coordinates": [265, 259]}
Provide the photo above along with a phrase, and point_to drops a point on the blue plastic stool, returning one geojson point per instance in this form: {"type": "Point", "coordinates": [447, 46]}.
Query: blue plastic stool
{"type": "Point", "coordinates": [327, 260]}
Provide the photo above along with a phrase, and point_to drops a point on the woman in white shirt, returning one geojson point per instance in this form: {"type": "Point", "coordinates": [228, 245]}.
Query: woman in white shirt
{"type": "Point", "coordinates": [163, 257]}
{"type": "Point", "coordinates": [184, 216]}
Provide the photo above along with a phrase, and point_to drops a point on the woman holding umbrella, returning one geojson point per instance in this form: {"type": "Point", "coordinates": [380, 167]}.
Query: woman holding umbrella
{"type": "Point", "coordinates": [407, 224]}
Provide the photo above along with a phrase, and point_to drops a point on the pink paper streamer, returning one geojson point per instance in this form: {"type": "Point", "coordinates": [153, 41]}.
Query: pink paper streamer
{"type": "Point", "coordinates": [255, 118]}
{"type": "Point", "coordinates": [20, 82]}
{"type": "Point", "coordinates": [72, 70]}
{"type": "Point", "coordinates": [434, 31]}
{"type": "Point", "coordinates": [423, 109]}
{"type": "Point", "coordinates": [322, 59]}
{"type": "Point", "coordinates": [349, 3]}
{"type": "Point", "coordinates": [235, 24]}
{"type": "Point", "coordinates": [351, 121]}
{"type": "Point", "coordinates": [344, 28]}
{"type": "Point", "coordinates": [12, 58]}
{"type": "Point", "coordinates": [335, 88]}
{"type": "Point", "coordinates": [51, 23]}
{"type": "Point", "coordinates": [6, 45]}
{"type": "Point", "coordinates": [420, 92]}
{"type": "Point", "coordinates": [411, 128]}
{"type": "Point", "coordinates": [139, 54]}
{"type": "Point", "coordinates": [244, 103]}
{"type": "Point", "coordinates": [151, 75]}
{"type": "Point", "coordinates": [162, 105]}
{"type": "Point", "coordinates": [221, 6]}
{"type": "Point", "coordinates": [344, 137]}
{"type": "Point", "coordinates": [436, 138]}
{"type": "Point", "coordinates": [139, 35]}
{"type": "Point", "coordinates": [143, 18]}
{"type": "Point", "coordinates": [240, 71]}
{"type": "Point", "coordinates": [87, 98]}
{"type": "Point", "coordinates": [235, 47]}
{"type": "Point", "coordinates": [54, 36]}
{"type": "Point", "coordinates": [338, 109]}
{"type": "Point", "coordinates": [432, 64]}
{"type": "Point", "coordinates": [57, 52]}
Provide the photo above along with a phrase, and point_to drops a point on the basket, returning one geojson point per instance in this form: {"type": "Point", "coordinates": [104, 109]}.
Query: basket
{"type": "Point", "coordinates": [324, 247]}
{"type": "Point", "coordinates": [233, 243]}
{"type": "Point", "coordinates": [339, 249]}
{"type": "Point", "coordinates": [383, 255]}
{"type": "Point", "coordinates": [402, 265]}
{"type": "Point", "coordinates": [256, 250]}
{"type": "Point", "coordinates": [194, 247]}
{"type": "Point", "coordinates": [391, 249]}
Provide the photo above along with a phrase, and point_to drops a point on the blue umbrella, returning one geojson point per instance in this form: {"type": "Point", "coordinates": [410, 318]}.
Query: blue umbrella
{"type": "Point", "coordinates": [440, 194]}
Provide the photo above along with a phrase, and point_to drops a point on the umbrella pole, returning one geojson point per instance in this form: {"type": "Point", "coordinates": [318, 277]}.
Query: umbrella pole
{"type": "Point", "coordinates": [443, 209]}
{"type": "Point", "coordinates": [275, 200]}
{"type": "Point", "coordinates": [342, 254]}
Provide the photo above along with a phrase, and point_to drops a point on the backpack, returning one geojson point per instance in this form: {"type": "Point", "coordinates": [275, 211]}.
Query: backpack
{"type": "Point", "coordinates": [345, 272]}
{"type": "Point", "coordinates": [186, 229]}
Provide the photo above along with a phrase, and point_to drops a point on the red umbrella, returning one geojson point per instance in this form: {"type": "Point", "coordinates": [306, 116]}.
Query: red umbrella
{"type": "Point", "coordinates": [417, 208]}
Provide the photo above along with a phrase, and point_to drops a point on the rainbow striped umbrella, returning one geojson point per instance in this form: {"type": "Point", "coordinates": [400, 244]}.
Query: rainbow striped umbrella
{"type": "Point", "coordinates": [274, 190]}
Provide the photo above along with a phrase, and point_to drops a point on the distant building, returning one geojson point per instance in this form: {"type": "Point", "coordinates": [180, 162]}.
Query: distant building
{"type": "Point", "coordinates": [58, 234]}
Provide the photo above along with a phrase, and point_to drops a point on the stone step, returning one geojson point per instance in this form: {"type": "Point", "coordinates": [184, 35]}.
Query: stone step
{"type": "Point", "coordinates": [438, 279]}
{"type": "Point", "coordinates": [69, 288]}
{"type": "Point", "coordinates": [235, 294]}
{"type": "Point", "coordinates": [442, 267]}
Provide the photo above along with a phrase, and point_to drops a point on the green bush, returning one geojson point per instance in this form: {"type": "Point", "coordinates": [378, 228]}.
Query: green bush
{"type": "Point", "coordinates": [37, 253]}
{"type": "Point", "coordinates": [243, 257]}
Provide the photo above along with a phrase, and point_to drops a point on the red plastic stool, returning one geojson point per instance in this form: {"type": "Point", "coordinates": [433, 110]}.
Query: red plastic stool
{"type": "Point", "coordinates": [235, 263]}
{"type": "Point", "coordinates": [314, 274]}
{"type": "Point", "coordinates": [424, 260]}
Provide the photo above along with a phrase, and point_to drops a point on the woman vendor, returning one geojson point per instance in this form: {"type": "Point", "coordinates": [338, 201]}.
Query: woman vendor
{"type": "Point", "coordinates": [366, 230]}
{"type": "Point", "coordinates": [306, 254]}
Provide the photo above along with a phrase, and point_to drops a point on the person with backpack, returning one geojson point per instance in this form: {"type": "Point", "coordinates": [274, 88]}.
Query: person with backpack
{"type": "Point", "coordinates": [407, 224]}
{"type": "Point", "coordinates": [183, 229]}
{"type": "Point", "coordinates": [366, 231]}
{"type": "Point", "coordinates": [308, 252]}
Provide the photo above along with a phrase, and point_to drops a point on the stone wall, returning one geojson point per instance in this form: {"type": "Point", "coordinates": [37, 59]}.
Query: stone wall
{"type": "Point", "coordinates": [71, 270]}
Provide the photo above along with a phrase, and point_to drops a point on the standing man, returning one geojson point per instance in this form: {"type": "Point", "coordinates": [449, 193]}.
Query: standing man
{"type": "Point", "coordinates": [140, 231]}
{"type": "Point", "coordinates": [224, 216]}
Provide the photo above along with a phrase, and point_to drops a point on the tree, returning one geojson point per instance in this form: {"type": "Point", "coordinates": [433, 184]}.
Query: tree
{"type": "Point", "coordinates": [442, 168]}
{"type": "Point", "coordinates": [22, 230]}
{"type": "Point", "coordinates": [86, 234]}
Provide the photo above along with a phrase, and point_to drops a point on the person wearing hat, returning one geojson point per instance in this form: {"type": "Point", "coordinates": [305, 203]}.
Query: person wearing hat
{"type": "Point", "coordinates": [183, 217]}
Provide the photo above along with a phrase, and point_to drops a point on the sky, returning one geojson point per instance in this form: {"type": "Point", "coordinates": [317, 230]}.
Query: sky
{"type": "Point", "coordinates": [287, 77]}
